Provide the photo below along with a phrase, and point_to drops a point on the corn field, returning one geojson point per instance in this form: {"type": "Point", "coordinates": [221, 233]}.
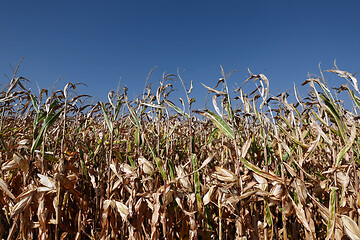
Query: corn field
{"type": "Point", "coordinates": [253, 166]}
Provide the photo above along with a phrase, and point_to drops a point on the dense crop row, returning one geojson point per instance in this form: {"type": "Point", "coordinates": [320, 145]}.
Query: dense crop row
{"type": "Point", "coordinates": [255, 167]}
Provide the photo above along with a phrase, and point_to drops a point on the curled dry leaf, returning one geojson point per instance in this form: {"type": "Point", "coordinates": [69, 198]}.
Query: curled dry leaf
{"type": "Point", "coordinates": [262, 183]}
{"type": "Point", "coordinates": [168, 196]}
{"type": "Point", "coordinates": [300, 190]}
{"type": "Point", "coordinates": [122, 209]}
{"type": "Point", "coordinates": [138, 205]}
{"type": "Point", "coordinates": [207, 197]}
{"type": "Point", "coordinates": [116, 184]}
{"type": "Point", "coordinates": [277, 191]}
{"type": "Point", "coordinates": [92, 180]}
{"type": "Point", "coordinates": [126, 168]}
{"type": "Point", "coordinates": [66, 183]}
{"type": "Point", "coordinates": [352, 230]}
{"type": "Point", "coordinates": [299, 211]}
{"type": "Point", "coordinates": [235, 199]}
{"type": "Point", "coordinates": [106, 204]}
{"type": "Point", "coordinates": [23, 203]}
{"type": "Point", "coordinates": [113, 168]}
{"type": "Point", "coordinates": [9, 165]}
{"type": "Point", "coordinates": [184, 181]}
{"type": "Point", "coordinates": [287, 209]}
{"type": "Point", "coordinates": [21, 161]}
{"type": "Point", "coordinates": [47, 181]}
{"type": "Point", "coordinates": [224, 175]}
{"type": "Point", "coordinates": [146, 166]}
{"type": "Point", "coordinates": [214, 90]}
{"type": "Point", "coordinates": [5, 188]}
{"type": "Point", "coordinates": [343, 178]}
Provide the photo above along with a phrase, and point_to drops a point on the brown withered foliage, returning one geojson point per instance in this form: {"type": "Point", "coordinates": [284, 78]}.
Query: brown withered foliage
{"type": "Point", "coordinates": [253, 166]}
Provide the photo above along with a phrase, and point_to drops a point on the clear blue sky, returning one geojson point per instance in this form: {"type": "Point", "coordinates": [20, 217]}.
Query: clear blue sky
{"type": "Point", "coordinates": [97, 42]}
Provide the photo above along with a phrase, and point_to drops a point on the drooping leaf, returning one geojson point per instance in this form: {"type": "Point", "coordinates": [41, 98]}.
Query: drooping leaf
{"type": "Point", "coordinates": [178, 110]}
{"type": "Point", "coordinates": [220, 123]}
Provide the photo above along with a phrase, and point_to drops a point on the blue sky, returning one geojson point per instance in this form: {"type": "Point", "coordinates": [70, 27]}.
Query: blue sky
{"type": "Point", "coordinates": [99, 42]}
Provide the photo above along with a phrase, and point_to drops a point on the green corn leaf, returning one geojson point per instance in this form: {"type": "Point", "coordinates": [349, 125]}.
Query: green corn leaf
{"type": "Point", "coordinates": [334, 112]}
{"type": "Point", "coordinates": [220, 123]}
{"type": "Point", "coordinates": [196, 180]}
{"type": "Point", "coordinates": [158, 164]}
{"type": "Point", "coordinates": [46, 124]}
{"type": "Point", "coordinates": [117, 109]}
{"type": "Point", "coordinates": [331, 223]}
{"type": "Point", "coordinates": [171, 169]}
{"type": "Point", "coordinates": [34, 103]}
{"type": "Point", "coordinates": [268, 214]}
{"type": "Point", "coordinates": [333, 109]}
{"type": "Point", "coordinates": [132, 163]}
{"type": "Point", "coordinates": [137, 137]}
{"type": "Point", "coordinates": [107, 120]}
{"type": "Point", "coordinates": [355, 98]}
{"type": "Point", "coordinates": [178, 110]}
{"type": "Point", "coordinates": [269, 175]}
{"type": "Point", "coordinates": [157, 161]}
{"type": "Point", "coordinates": [118, 155]}
{"type": "Point", "coordinates": [229, 109]}
{"type": "Point", "coordinates": [212, 136]}
{"type": "Point", "coordinates": [133, 115]}
{"type": "Point", "coordinates": [53, 105]}
{"type": "Point", "coordinates": [318, 117]}
{"type": "Point", "coordinates": [350, 142]}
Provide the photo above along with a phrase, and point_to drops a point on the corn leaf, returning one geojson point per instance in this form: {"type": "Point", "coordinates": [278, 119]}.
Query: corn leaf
{"type": "Point", "coordinates": [220, 123]}
{"type": "Point", "coordinates": [47, 123]}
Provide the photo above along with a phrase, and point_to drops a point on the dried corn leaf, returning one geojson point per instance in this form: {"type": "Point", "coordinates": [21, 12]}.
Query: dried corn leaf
{"type": "Point", "coordinates": [352, 230]}
{"type": "Point", "coordinates": [126, 168]}
{"type": "Point", "coordinates": [269, 175]}
{"type": "Point", "coordinates": [9, 165]}
{"type": "Point", "coordinates": [5, 188]}
{"type": "Point", "coordinates": [300, 214]}
{"type": "Point", "coordinates": [24, 166]}
{"type": "Point", "coordinates": [262, 183]}
{"type": "Point", "coordinates": [147, 166]}
{"type": "Point", "coordinates": [21, 205]}
{"type": "Point", "coordinates": [277, 191]}
{"type": "Point", "coordinates": [235, 199]}
{"type": "Point", "coordinates": [207, 196]}
{"type": "Point", "coordinates": [184, 180]}
{"type": "Point", "coordinates": [214, 90]}
{"type": "Point", "coordinates": [113, 168]}
{"type": "Point", "coordinates": [301, 191]}
{"type": "Point", "coordinates": [65, 182]}
{"type": "Point", "coordinates": [345, 74]}
{"type": "Point", "coordinates": [47, 181]}
{"type": "Point", "coordinates": [122, 209]}
{"type": "Point", "coordinates": [224, 175]}
{"type": "Point", "coordinates": [155, 216]}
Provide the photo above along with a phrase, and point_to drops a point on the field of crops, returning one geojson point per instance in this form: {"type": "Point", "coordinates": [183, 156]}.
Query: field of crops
{"type": "Point", "coordinates": [254, 166]}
